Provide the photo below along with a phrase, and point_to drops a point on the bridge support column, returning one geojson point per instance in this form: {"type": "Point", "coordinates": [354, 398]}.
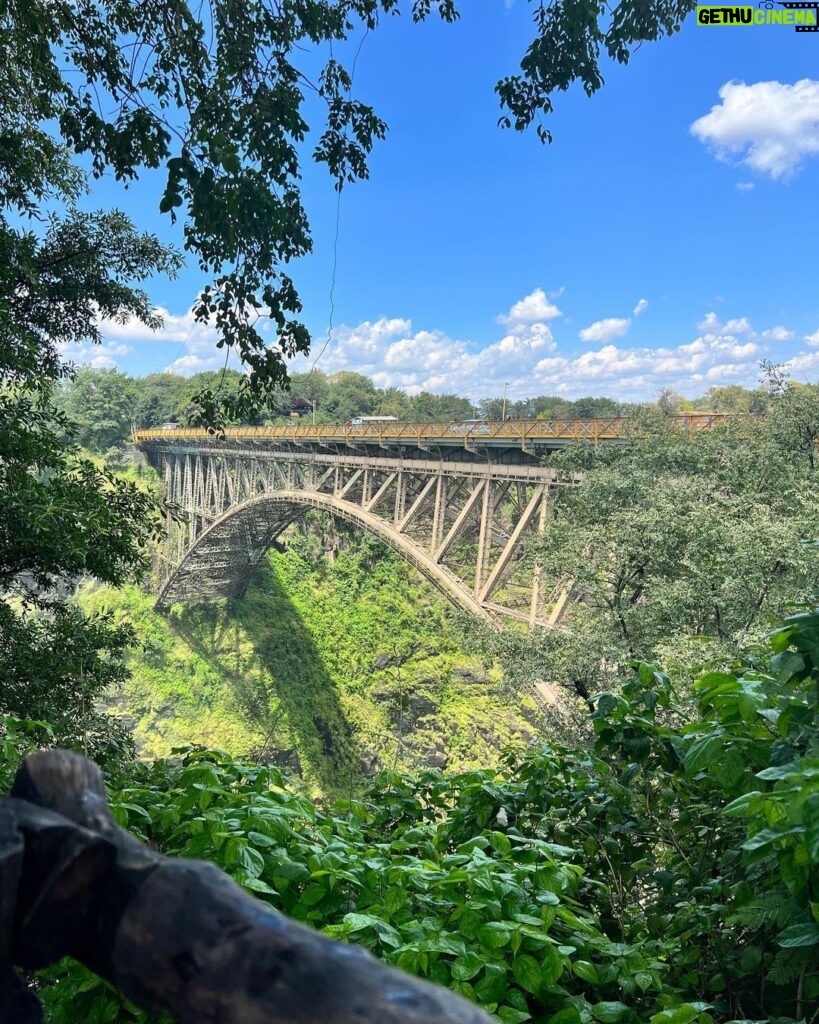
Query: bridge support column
{"type": "Point", "coordinates": [484, 536]}
{"type": "Point", "coordinates": [537, 575]}
{"type": "Point", "coordinates": [400, 498]}
{"type": "Point", "coordinates": [438, 515]}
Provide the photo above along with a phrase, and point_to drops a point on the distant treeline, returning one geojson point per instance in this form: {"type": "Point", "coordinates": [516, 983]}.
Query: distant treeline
{"type": "Point", "coordinates": [106, 404]}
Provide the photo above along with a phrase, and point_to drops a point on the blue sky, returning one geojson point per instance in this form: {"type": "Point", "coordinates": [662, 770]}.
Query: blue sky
{"type": "Point", "coordinates": [667, 237]}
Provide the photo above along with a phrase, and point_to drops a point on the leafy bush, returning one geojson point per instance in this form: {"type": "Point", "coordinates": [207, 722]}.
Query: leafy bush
{"type": "Point", "coordinates": [669, 875]}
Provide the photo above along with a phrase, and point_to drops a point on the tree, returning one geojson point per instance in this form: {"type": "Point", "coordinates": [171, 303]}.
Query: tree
{"type": "Point", "coordinates": [670, 538]}
{"type": "Point", "coordinates": [440, 408]}
{"type": "Point", "coordinates": [223, 385]}
{"type": "Point", "coordinates": [669, 402]}
{"type": "Point", "coordinates": [218, 102]}
{"type": "Point", "coordinates": [794, 413]}
{"type": "Point", "coordinates": [732, 398]}
{"type": "Point", "coordinates": [62, 516]}
{"type": "Point", "coordinates": [158, 399]}
{"type": "Point", "coordinates": [394, 402]}
{"type": "Point", "coordinates": [351, 394]}
{"type": "Point", "coordinates": [591, 408]}
{"type": "Point", "coordinates": [100, 406]}
{"type": "Point", "coordinates": [312, 387]}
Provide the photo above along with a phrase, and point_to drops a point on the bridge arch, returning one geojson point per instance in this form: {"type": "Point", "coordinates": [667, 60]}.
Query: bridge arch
{"type": "Point", "coordinates": [247, 530]}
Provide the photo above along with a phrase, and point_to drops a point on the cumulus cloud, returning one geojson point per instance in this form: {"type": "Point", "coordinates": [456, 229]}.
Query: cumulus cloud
{"type": "Point", "coordinates": [770, 127]}
{"type": "Point", "coordinates": [98, 357]}
{"type": "Point", "coordinates": [195, 342]}
{"type": "Point", "coordinates": [634, 373]}
{"type": "Point", "coordinates": [396, 353]}
{"type": "Point", "coordinates": [739, 325]}
{"type": "Point", "coordinates": [533, 308]}
{"type": "Point", "coordinates": [606, 330]}
{"type": "Point", "coordinates": [778, 333]}
{"type": "Point", "coordinates": [742, 325]}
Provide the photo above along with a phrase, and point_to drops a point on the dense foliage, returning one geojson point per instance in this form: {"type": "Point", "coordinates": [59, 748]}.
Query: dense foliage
{"type": "Point", "coordinates": [681, 548]}
{"type": "Point", "coordinates": [62, 515]}
{"type": "Point", "coordinates": [667, 876]}
{"type": "Point", "coordinates": [104, 405]}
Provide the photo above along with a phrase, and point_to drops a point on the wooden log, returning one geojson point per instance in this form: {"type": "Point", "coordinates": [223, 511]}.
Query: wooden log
{"type": "Point", "coordinates": [178, 936]}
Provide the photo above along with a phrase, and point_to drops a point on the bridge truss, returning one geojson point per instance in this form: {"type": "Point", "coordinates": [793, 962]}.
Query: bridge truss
{"type": "Point", "coordinates": [465, 526]}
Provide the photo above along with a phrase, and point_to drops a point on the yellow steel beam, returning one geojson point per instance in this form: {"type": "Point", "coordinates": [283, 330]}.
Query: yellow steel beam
{"type": "Point", "coordinates": [521, 431]}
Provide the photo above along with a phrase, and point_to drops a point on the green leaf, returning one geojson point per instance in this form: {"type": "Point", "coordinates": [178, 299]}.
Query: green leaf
{"type": "Point", "coordinates": [291, 871]}
{"type": "Point", "coordinates": [500, 843]}
{"type": "Point", "coordinates": [493, 985]}
{"type": "Point", "coordinates": [527, 973]}
{"type": "Point", "coordinates": [701, 753]}
{"type": "Point", "coordinates": [568, 1015]}
{"type": "Point", "coordinates": [510, 1016]}
{"type": "Point", "coordinates": [810, 819]}
{"type": "Point", "coordinates": [585, 970]}
{"type": "Point", "coordinates": [799, 935]}
{"type": "Point", "coordinates": [551, 965]}
{"type": "Point", "coordinates": [767, 837]}
{"type": "Point", "coordinates": [609, 1012]}
{"type": "Point", "coordinates": [466, 967]}
{"type": "Point", "coordinates": [494, 935]}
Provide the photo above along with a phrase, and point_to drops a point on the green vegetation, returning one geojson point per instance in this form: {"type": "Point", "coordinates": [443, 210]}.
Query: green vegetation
{"type": "Point", "coordinates": [680, 548]}
{"type": "Point", "coordinates": [105, 405]}
{"type": "Point", "coordinates": [669, 874]}
{"type": "Point", "coordinates": [333, 669]}
{"type": "Point", "coordinates": [666, 876]}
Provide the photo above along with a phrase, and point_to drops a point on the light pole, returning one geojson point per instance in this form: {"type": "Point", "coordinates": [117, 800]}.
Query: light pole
{"type": "Point", "coordinates": [505, 389]}
{"type": "Point", "coordinates": [313, 403]}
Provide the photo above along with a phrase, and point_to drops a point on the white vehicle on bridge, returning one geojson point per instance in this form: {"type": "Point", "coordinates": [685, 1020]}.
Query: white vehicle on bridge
{"type": "Point", "coordinates": [470, 427]}
{"type": "Point", "coordinates": [366, 421]}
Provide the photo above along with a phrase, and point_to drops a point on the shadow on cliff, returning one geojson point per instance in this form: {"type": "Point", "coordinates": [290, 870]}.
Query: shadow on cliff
{"type": "Point", "coordinates": [265, 653]}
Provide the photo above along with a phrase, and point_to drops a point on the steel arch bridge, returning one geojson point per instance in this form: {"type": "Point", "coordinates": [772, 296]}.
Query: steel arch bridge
{"type": "Point", "coordinates": [463, 522]}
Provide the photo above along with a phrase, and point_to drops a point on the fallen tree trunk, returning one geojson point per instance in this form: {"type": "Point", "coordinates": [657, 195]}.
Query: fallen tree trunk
{"type": "Point", "coordinates": [175, 936]}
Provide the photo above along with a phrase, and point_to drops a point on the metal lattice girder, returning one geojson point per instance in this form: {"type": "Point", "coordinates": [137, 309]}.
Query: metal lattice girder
{"type": "Point", "coordinates": [466, 526]}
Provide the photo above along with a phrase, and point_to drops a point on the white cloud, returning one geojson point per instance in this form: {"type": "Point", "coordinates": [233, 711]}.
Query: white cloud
{"type": "Point", "coordinates": [635, 373]}
{"type": "Point", "coordinates": [393, 354]}
{"type": "Point", "coordinates": [195, 342]}
{"type": "Point", "coordinates": [742, 325]}
{"type": "Point", "coordinates": [778, 333]}
{"type": "Point", "coordinates": [802, 362]}
{"type": "Point", "coordinates": [739, 325]}
{"type": "Point", "coordinates": [534, 307]}
{"type": "Point", "coordinates": [99, 357]}
{"type": "Point", "coordinates": [606, 330]}
{"type": "Point", "coordinates": [768, 126]}
{"type": "Point", "coordinates": [745, 186]}
{"type": "Point", "coordinates": [524, 352]}
{"type": "Point", "coordinates": [709, 322]}
{"type": "Point", "coordinates": [641, 306]}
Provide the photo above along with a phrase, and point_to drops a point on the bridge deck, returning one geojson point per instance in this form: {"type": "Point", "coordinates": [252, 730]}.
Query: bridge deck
{"type": "Point", "coordinates": [521, 434]}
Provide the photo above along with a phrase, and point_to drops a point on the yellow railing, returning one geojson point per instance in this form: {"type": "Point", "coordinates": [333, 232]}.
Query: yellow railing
{"type": "Point", "coordinates": [610, 428]}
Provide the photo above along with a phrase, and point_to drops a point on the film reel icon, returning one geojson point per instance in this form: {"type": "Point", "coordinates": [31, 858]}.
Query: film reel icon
{"type": "Point", "coordinates": [801, 5]}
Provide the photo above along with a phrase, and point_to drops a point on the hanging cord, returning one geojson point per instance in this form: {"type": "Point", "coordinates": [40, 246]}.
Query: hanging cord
{"type": "Point", "coordinates": [329, 337]}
